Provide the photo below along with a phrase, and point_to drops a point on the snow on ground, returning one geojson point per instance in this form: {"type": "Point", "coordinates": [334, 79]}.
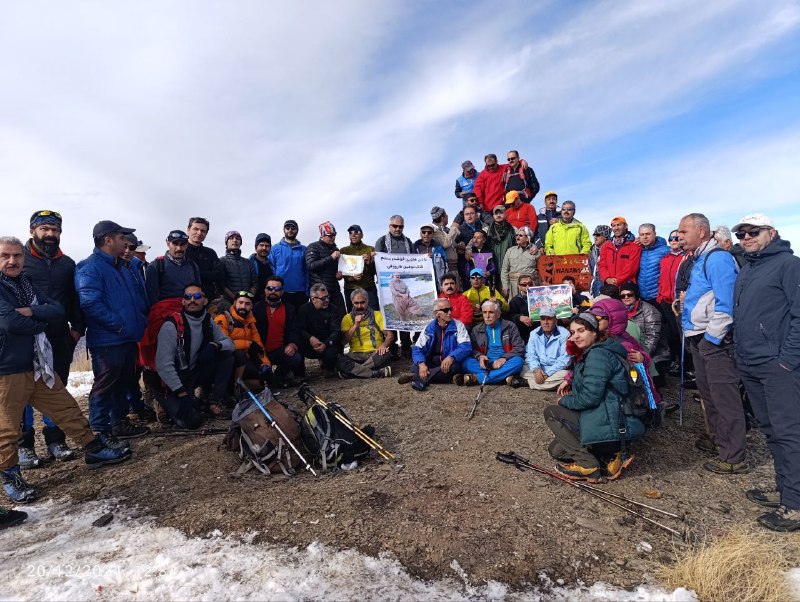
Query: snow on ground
{"type": "Point", "coordinates": [80, 383]}
{"type": "Point", "coordinates": [58, 555]}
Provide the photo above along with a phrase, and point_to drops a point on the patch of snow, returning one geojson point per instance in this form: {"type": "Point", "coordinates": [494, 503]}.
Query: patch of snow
{"type": "Point", "coordinates": [58, 555]}
{"type": "Point", "coordinates": [80, 383]}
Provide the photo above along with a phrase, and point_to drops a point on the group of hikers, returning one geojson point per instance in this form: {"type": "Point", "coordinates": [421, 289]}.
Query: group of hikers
{"type": "Point", "coordinates": [190, 325]}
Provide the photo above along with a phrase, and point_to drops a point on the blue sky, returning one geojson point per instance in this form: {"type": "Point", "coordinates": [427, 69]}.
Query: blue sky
{"type": "Point", "coordinates": [250, 113]}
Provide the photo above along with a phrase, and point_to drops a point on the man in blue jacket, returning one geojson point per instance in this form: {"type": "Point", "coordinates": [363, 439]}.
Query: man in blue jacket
{"type": "Point", "coordinates": [653, 249]}
{"type": "Point", "coordinates": [546, 356]}
{"type": "Point", "coordinates": [440, 349]}
{"type": "Point", "coordinates": [114, 304]}
{"type": "Point", "coordinates": [707, 320]}
{"type": "Point", "coordinates": [288, 260]}
{"type": "Point", "coordinates": [767, 334]}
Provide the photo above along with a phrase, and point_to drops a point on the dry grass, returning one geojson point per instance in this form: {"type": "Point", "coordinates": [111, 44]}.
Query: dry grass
{"type": "Point", "coordinates": [742, 566]}
{"type": "Point", "coordinates": [81, 362]}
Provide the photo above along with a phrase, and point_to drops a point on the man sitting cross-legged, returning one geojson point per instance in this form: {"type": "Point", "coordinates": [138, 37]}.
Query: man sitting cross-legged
{"type": "Point", "coordinates": [364, 330]}
{"type": "Point", "coordinates": [497, 349]}
{"type": "Point", "coordinates": [546, 355]}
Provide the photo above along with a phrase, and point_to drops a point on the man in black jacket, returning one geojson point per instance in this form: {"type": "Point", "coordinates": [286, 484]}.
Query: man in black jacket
{"type": "Point", "coordinates": [322, 261]}
{"type": "Point", "coordinates": [212, 276]}
{"type": "Point", "coordinates": [318, 330]}
{"type": "Point", "coordinates": [275, 322]}
{"type": "Point", "coordinates": [53, 274]}
{"type": "Point", "coordinates": [260, 262]}
{"type": "Point", "coordinates": [520, 177]}
{"type": "Point", "coordinates": [240, 274]}
{"type": "Point", "coordinates": [767, 336]}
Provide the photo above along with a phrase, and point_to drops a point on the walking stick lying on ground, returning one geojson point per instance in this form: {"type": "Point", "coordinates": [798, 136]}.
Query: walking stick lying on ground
{"type": "Point", "coordinates": [521, 463]}
{"type": "Point", "coordinates": [190, 433]}
{"type": "Point", "coordinates": [275, 425]}
{"type": "Point", "coordinates": [480, 393]}
{"type": "Point", "coordinates": [306, 394]}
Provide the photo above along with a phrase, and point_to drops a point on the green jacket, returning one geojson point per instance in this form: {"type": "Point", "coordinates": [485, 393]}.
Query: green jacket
{"type": "Point", "coordinates": [567, 239]}
{"type": "Point", "coordinates": [596, 383]}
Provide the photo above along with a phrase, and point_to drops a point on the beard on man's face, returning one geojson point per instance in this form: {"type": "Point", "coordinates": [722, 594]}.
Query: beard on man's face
{"type": "Point", "coordinates": [47, 243]}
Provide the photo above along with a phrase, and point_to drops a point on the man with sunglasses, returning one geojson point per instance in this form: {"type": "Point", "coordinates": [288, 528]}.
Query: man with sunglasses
{"type": "Point", "coordinates": [478, 292]}
{"type": "Point", "coordinates": [318, 330]}
{"type": "Point", "coordinates": [193, 351]}
{"type": "Point", "coordinates": [395, 242]}
{"type": "Point", "coordinates": [288, 260]}
{"type": "Point", "coordinates": [518, 176]}
{"type": "Point", "coordinates": [767, 333]}
{"type": "Point", "coordinates": [668, 273]}
{"type": "Point", "coordinates": [440, 350]}
{"type": "Point", "coordinates": [366, 279]}
{"type": "Point", "coordinates": [707, 321]}
{"type": "Point", "coordinates": [275, 321]}
{"type": "Point", "coordinates": [53, 274]}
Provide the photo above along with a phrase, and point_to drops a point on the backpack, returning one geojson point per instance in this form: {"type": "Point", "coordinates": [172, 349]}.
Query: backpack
{"type": "Point", "coordinates": [259, 445]}
{"type": "Point", "coordinates": [328, 441]}
{"type": "Point", "coordinates": [161, 269]}
{"type": "Point", "coordinates": [638, 402]}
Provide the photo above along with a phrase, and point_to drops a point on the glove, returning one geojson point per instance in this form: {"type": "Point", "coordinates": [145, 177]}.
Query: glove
{"type": "Point", "coordinates": [208, 354]}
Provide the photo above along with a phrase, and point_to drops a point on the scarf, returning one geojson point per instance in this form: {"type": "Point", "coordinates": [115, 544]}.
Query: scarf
{"type": "Point", "coordinates": [371, 324]}
{"type": "Point", "coordinates": [22, 287]}
{"type": "Point", "coordinates": [633, 309]}
{"type": "Point", "coordinates": [177, 262]}
{"type": "Point", "coordinates": [499, 231]}
{"type": "Point", "coordinates": [387, 241]}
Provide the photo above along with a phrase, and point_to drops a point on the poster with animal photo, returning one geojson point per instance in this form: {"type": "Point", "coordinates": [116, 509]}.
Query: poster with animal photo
{"type": "Point", "coordinates": [406, 290]}
{"type": "Point", "coordinates": [558, 296]}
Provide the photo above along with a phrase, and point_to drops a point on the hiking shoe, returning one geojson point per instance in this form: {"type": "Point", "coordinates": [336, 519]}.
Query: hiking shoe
{"type": "Point", "coordinates": [125, 430]}
{"type": "Point", "coordinates": [27, 458]}
{"type": "Point", "coordinates": [11, 518]}
{"type": "Point", "coordinates": [144, 415]}
{"type": "Point", "coordinates": [617, 464]}
{"type": "Point", "coordinates": [576, 472]}
{"type": "Point", "coordinates": [718, 466]}
{"type": "Point", "coordinates": [17, 490]}
{"type": "Point", "coordinates": [470, 380]}
{"type": "Point", "coordinates": [61, 451]}
{"type": "Point", "coordinates": [515, 382]}
{"type": "Point", "coordinates": [458, 379]}
{"type": "Point", "coordinates": [405, 378]}
{"type": "Point", "coordinates": [705, 444]}
{"type": "Point", "coordinates": [96, 454]}
{"type": "Point", "coordinates": [762, 497]}
{"type": "Point", "coordinates": [382, 372]}
{"type": "Point", "coordinates": [674, 369]}
{"type": "Point", "coordinates": [341, 375]}
{"type": "Point", "coordinates": [783, 519]}
{"type": "Point", "coordinates": [418, 385]}
{"type": "Point", "coordinates": [113, 442]}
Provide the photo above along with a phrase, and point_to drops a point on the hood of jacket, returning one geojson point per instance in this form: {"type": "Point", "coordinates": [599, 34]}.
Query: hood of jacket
{"type": "Point", "coordinates": [617, 315]}
{"type": "Point", "coordinates": [776, 247]}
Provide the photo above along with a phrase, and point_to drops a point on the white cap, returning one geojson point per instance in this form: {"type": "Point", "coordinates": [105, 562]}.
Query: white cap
{"type": "Point", "coordinates": [754, 219]}
{"type": "Point", "coordinates": [142, 249]}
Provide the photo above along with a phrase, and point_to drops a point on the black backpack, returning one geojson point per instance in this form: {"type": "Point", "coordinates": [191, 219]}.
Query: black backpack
{"type": "Point", "coordinates": [328, 441]}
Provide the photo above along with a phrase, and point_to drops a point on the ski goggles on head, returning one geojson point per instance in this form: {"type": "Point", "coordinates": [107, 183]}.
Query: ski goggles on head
{"type": "Point", "coordinates": [45, 217]}
{"type": "Point", "coordinates": [195, 296]}
{"type": "Point", "coordinates": [247, 294]}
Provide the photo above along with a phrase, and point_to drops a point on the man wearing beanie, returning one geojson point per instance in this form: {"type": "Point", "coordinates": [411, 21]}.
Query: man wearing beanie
{"type": "Point", "coordinates": [240, 275]}
{"type": "Point", "coordinates": [260, 261]}
{"type": "Point", "coordinates": [288, 260]}
{"type": "Point", "coordinates": [322, 261]}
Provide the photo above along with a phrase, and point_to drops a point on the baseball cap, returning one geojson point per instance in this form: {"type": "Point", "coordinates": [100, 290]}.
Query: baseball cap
{"type": "Point", "coordinates": [476, 272]}
{"type": "Point", "coordinates": [511, 196]}
{"type": "Point", "coordinates": [499, 208]}
{"type": "Point", "coordinates": [550, 193]}
{"type": "Point", "coordinates": [619, 218]}
{"type": "Point", "coordinates": [467, 165]}
{"type": "Point", "coordinates": [106, 226]}
{"type": "Point", "coordinates": [754, 219]}
{"type": "Point", "coordinates": [427, 227]}
{"type": "Point", "coordinates": [142, 248]}
{"type": "Point", "coordinates": [131, 239]}
{"type": "Point", "coordinates": [547, 312]}
{"type": "Point", "coordinates": [262, 237]}
{"type": "Point", "coordinates": [290, 222]}
{"type": "Point", "coordinates": [355, 228]}
{"type": "Point", "coordinates": [178, 236]}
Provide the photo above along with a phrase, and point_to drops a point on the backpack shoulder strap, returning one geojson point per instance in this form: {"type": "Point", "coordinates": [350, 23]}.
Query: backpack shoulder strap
{"type": "Point", "coordinates": [705, 260]}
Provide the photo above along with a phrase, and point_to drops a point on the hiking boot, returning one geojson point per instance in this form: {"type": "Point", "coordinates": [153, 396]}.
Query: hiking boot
{"type": "Point", "coordinates": [11, 518]}
{"type": "Point", "coordinates": [705, 444]}
{"type": "Point", "coordinates": [418, 385]}
{"type": "Point", "coordinates": [617, 464]}
{"type": "Point", "coordinates": [470, 380]}
{"type": "Point", "coordinates": [718, 466]}
{"type": "Point", "coordinates": [341, 375]}
{"type": "Point", "coordinates": [144, 415]}
{"type": "Point", "coordinates": [17, 490]}
{"type": "Point", "coordinates": [674, 369]}
{"type": "Point", "coordinates": [113, 442]}
{"type": "Point", "coordinates": [515, 382]}
{"type": "Point", "coordinates": [382, 372]}
{"type": "Point", "coordinates": [27, 458]}
{"type": "Point", "coordinates": [763, 497]}
{"type": "Point", "coordinates": [458, 379]}
{"type": "Point", "coordinates": [405, 378]}
{"type": "Point", "coordinates": [97, 454]}
{"type": "Point", "coordinates": [576, 472]}
{"type": "Point", "coordinates": [783, 519]}
{"type": "Point", "coordinates": [125, 430]}
{"type": "Point", "coordinates": [61, 451]}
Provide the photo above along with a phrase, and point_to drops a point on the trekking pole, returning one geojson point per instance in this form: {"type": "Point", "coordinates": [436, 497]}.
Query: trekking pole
{"type": "Point", "coordinates": [275, 425]}
{"type": "Point", "coordinates": [190, 433]}
{"type": "Point", "coordinates": [520, 463]}
{"type": "Point", "coordinates": [305, 392]}
{"type": "Point", "coordinates": [475, 405]}
{"type": "Point", "coordinates": [680, 396]}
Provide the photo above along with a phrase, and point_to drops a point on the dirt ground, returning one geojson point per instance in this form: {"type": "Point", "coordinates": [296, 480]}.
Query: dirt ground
{"type": "Point", "coordinates": [451, 501]}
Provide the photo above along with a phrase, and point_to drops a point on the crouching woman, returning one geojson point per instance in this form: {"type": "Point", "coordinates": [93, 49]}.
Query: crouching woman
{"type": "Point", "coordinates": [586, 421]}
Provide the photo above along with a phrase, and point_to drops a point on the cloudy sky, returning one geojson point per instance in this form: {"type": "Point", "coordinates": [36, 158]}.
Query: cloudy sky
{"type": "Point", "coordinates": [249, 113]}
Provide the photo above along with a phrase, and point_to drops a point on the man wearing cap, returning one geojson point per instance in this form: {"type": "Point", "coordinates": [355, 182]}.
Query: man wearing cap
{"type": "Point", "coordinates": [167, 276]}
{"type": "Point", "coordinates": [546, 356]}
{"type": "Point", "coordinates": [446, 237]}
{"type": "Point", "coordinates": [519, 213]}
{"type": "Point", "coordinates": [322, 262]}
{"type": "Point", "coordinates": [366, 279]}
{"type": "Point", "coordinates": [425, 245]}
{"type": "Point", "coordinates": [602, 233]}
{"type": "Point", "coordinates": [619, 257]}
{"type": "Point", "coordinates": [53, 275]}
{"type": "Point", "coordinates": [288, 260]}
{"type": "Point", "coordinates": [497, 349]}
{"type": "Point", "coordinates": [131, 260]}
{"type": "Point", "coordinates": [465, 183]}
{"type": "Point", "coordinates": [707, 321]}
{"type": "Point", "coordinates": [115, 308]}
{"type": "Point", "coordinates": [140, 252]}
{"type": "Point", "coordinates": [767, 334]}
{"type": "Point", "coordinates": [567, 236]}
{"type": "Point", "coordinates": [501, 236]}
{"type": "Point", "coordinates": [549, 215]}
{"type": "Point", "coordinates": [212, 275]}
{"type": "Point", "coordinates": [519, 260]}
{"type": "Point", "coordinates": [479, 291]}
{"type": "Point", "coordinates": [240, 274]}
{"type": "Point", "coordinates": [260, 261]}
{"type": "Point", "coordinates": [668, 272]}
{"type": "Point", "coordinates": [489, 183]}
{"type": "Point", "coordinates": [519, 177]}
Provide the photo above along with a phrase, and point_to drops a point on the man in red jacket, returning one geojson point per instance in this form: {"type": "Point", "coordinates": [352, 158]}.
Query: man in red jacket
{"type": "Point", "coordinates": [666, 295]}
{"type": "Point", "coordinates": [619, 257]}
{"type": "Point", "coordinates": [462, 308]}
{"type": "Point", "coordinates": [489, 184]}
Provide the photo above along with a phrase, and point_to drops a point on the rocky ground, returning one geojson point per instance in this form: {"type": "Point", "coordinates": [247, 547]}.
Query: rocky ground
{"type": "Point", "coordinates": [450, 501]}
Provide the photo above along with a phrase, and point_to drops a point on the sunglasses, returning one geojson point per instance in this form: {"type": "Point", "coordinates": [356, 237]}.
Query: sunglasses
{"type": "Point", "coordinates": [511, 159]}
{"type": "Point", "coordinates": [194, 296]}
{"type": "Point", "coordinates": [247, 294]}
{"type": "Point", "coordinates": [526, 284]}
{"type": "Point", "coordinates": [446, 310]}
{"type": "Point", "coordinates": [274, 289]}
{"type": "Point", "coordinates": [47, 213]}
{"type": "Point", "coordinates": [741, 234]}
{"type": "Point", "coordinates": [396, 226]}
{"type": "Point", "coordinates": [131, 247]}
{"type": "Point", "coordinates": [476, 277]}
{"type": "Point", "coordinates": [671, 238]}
{"type": "Point", "coordinates": [325, 298]}
{"type": "Point", "coordinates": [626, 295]}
